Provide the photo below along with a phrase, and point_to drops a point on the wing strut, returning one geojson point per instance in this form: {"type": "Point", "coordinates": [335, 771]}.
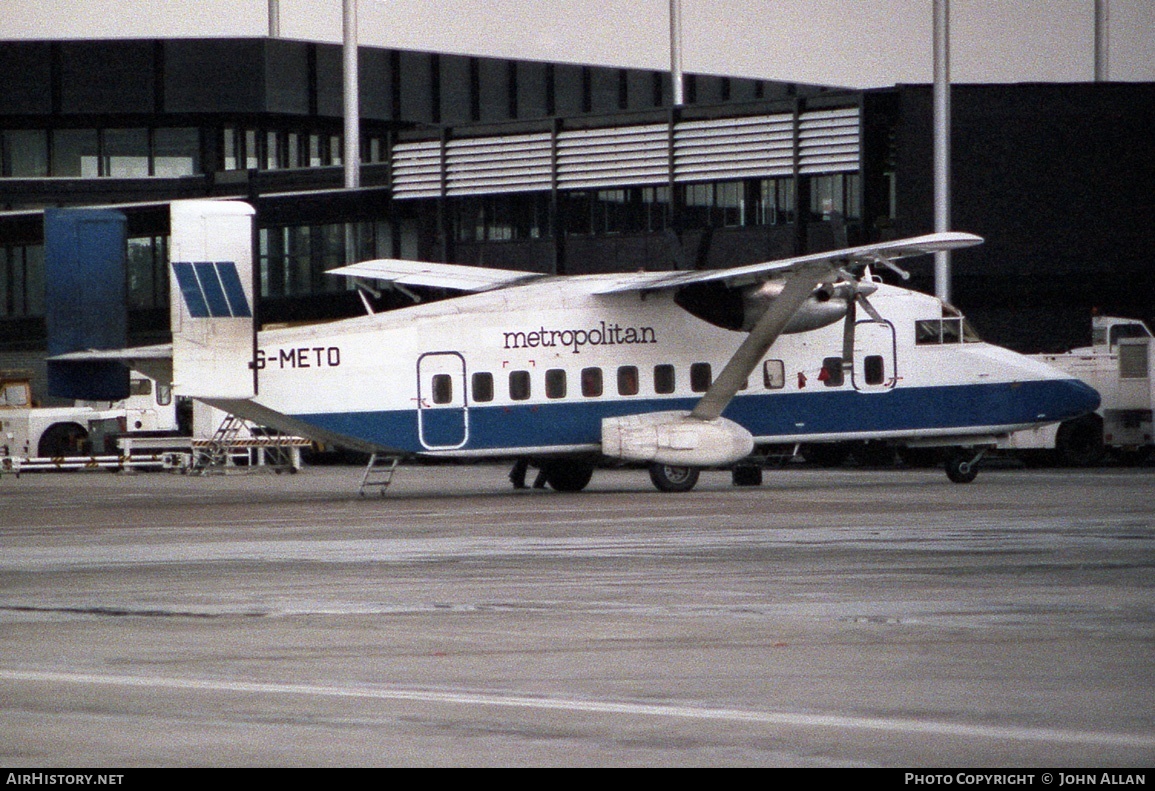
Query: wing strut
{"type": "Point", "coordinates": [798, 288]}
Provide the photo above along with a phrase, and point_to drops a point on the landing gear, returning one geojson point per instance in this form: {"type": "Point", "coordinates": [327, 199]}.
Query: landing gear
{"type": "Point", "coordinates": [568, 475]}
{"type": "Point", "coordinates": [747, 475]}
{"type": "Point", "coordinates": [670, 478]}
{"type": "Point", "coordinates": [962, 466]}
{"type": "Point", "coordinates": [1079, 442]}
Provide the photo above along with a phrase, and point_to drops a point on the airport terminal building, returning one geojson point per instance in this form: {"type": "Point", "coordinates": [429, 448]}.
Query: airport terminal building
{"type": "Point", "coordinates": [571, 169]}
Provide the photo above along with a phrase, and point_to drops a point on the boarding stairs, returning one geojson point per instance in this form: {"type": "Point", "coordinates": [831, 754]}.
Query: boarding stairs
{"type": "Point", "coordinates": [378, 473]}
{"type": "Point", "coordinates": [217, 454]}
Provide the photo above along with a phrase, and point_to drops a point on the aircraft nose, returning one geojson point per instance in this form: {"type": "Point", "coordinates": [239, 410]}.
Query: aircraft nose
{"type": "Point", "coordinates": [1078, 398]}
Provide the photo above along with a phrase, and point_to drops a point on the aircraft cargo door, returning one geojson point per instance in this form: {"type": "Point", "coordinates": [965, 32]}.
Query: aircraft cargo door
{"type": "Point", "coordinates": [442, 409]}
{"type": "Point", "coordinates": [874, 356]}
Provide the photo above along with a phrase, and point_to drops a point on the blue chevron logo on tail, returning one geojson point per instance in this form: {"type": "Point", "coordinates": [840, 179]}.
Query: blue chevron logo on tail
{"type": "Point", "coordinates": [212, 289]}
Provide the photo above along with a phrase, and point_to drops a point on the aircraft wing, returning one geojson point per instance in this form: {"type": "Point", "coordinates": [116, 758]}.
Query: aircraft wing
{"type": "Point", "coordinates": [421, 273]}
{"type": "Point", "coordinates": [881, 253]}
{"type": "Point", "coordinates": [802, 276]}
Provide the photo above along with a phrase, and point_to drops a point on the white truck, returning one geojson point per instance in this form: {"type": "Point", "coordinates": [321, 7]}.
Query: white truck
{"type": "Point", "coordinates": [88, 428]}
{"type": "Point", "coordinates": [1118, 364]}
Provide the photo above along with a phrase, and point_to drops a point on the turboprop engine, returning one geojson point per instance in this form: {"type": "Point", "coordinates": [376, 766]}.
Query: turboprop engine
{"type": "Point", "coordinates": [740, 309]}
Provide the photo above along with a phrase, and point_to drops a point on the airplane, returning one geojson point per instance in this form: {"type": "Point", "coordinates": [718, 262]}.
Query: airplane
{"type": "Point", "coordinates": [674, 370]}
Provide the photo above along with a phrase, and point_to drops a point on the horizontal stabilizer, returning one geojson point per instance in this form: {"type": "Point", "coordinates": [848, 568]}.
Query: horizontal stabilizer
{"type": "Point", "coordinates": [155, 362]}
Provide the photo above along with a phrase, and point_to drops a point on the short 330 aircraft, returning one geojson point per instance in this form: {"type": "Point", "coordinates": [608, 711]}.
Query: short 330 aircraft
{"type": "Point", "coordinates": [675, 370]}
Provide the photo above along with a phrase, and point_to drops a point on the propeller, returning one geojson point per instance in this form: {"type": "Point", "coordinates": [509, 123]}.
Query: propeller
{"type": "Point", "coordinates": [858, 289]}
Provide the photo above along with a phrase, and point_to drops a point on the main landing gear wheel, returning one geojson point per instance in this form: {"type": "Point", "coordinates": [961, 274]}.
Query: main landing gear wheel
{"type": "Point", "coordinates": [747, 475]}
{"type": "Point", "coordinates": [568, 476]}
{"type": "Point", "coordinates": [963, 466]}
{"type": "Point", "coordinates": [670, 478]}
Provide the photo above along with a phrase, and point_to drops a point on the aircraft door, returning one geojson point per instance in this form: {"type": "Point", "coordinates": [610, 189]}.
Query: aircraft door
{"type": "Point", "coordinates": [874, 356]}
{"type": "Point", "coordinates": [442, 406]}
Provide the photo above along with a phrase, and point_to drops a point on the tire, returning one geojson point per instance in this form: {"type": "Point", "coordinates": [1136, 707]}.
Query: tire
{"type": "Point", "coordinates": [62, 439]}
{"type": "Point", "coordinates": [959, 469]}
{"type": "Point", "coordinates": [828, 454]}
{"type": "Point", "coordinates": [1080, 441]}
{"type": "Point", "coordinates": [747, 475]}
{"type": "Point", "coordinates": [568, 476]}
{"type": "Point", "coordinates": [672, 478]}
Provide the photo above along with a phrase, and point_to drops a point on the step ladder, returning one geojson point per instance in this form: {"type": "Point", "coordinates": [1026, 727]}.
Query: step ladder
{"type": "Point", "coordinates": [378, 473]}
{"type": "Point", "coordinates": [214, 457]}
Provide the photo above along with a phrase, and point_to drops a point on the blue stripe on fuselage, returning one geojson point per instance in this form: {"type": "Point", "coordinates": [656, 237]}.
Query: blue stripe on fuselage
{"type": "Point", "coordinates": [568, 423]}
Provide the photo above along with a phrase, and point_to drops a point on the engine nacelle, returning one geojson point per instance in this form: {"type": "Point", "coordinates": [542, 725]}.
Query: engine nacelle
{"type": "Point", "coordinates": [675, 438]}
{"type": "Point", "coordinates": [739, 308]}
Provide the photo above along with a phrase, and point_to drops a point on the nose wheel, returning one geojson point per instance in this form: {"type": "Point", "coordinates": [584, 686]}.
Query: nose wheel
{"type": "Point", "coordinates": [962, 466]}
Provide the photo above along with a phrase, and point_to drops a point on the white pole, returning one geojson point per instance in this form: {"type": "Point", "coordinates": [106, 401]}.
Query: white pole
{"type": "Point", "coordinates": [352, 100]}
{"type": "Point", "coordinates": [1102, 41]}
{"type": "Point", "coordinates": [942, 143]}
{"type": "Point", "coordinates": [676, 50]}
{"type": "Point", "coordinates": [274, 18]}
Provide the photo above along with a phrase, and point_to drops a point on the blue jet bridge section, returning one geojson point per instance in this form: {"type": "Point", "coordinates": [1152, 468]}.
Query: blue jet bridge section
{"type": "Point", "coordinates": [86, 304]}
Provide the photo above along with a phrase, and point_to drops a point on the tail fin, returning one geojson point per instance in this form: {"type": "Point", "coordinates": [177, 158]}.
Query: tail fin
{"type": "Point", "coordinates": [212, 297]}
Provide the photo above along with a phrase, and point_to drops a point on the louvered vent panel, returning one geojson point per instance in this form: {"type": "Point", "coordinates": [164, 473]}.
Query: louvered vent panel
{"type": "Point", "coordinates": [621, 156]}
{"type": "Point", "coordinates": [515, 163]}
{"type": "Point", "coordinates": [734, 148]}
{"type": "Point", "coordinates": [417, 169]}
{"type": "Point", "coordinates": [828, 141]}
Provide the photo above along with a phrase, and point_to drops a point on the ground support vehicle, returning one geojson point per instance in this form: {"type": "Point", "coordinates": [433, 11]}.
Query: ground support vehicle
{"type": "Point", "coordinates": [1118, 364]}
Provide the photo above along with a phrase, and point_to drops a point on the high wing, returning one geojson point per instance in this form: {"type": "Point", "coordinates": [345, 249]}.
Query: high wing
{"type": "Point", "coordinates": [420, 273]}
{"type": "Point", "coordinates": [882, 253]}
{"type": "Point", "coordinates": [803, 275]}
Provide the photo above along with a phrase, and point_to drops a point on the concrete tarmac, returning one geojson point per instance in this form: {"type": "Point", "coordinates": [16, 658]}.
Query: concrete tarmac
{"type": "Point", "coordinates": [826, 618]}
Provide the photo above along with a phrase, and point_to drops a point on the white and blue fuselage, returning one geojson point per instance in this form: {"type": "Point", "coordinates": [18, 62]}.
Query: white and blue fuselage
{"type": "Point", "coordinates": [534, 370]}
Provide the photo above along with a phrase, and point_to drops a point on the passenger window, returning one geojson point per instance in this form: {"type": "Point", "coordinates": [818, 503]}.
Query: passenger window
{"type": "Point", "coordinates": [482, 387]}
{"type": "Point", "coordinates": [163, 394]}
{"type": "Point", "coordinates": [773, 374]}
{"type": "Point", "coordinates": [663, 379]}
{"type": "Point", "coordinates": [555, 383]}
{"type": "Point", "coordinates": [140, 387]}
{"type": "Point", "coordinates": [628, 380]}
{"type": "Point", "coordinates": [519, 385]}
{"type": "Point", "coordinates": [442, 388]}
{"type": "Point", "coordinates": [700, 377]}
{"type": "Point", "coordinates": [874, 369]}
{"type": "Point", "coordinates": [591, 382]}
{"type": "Point", "coordinates": [831, 373]}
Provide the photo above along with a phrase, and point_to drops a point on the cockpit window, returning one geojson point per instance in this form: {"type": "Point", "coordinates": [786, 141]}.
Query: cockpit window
{"type": "Point", "coordinates": [949, 330]}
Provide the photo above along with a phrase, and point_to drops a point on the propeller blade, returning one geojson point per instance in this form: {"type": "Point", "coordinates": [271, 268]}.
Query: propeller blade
{"type": "Point", "coordinates": [848, 333]}
{"type": "Point", "coordinates": [870, 311]}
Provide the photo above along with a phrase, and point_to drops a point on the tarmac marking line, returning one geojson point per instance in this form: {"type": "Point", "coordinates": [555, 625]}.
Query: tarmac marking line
{"type": "Point", "coordinates": [894, 725]}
